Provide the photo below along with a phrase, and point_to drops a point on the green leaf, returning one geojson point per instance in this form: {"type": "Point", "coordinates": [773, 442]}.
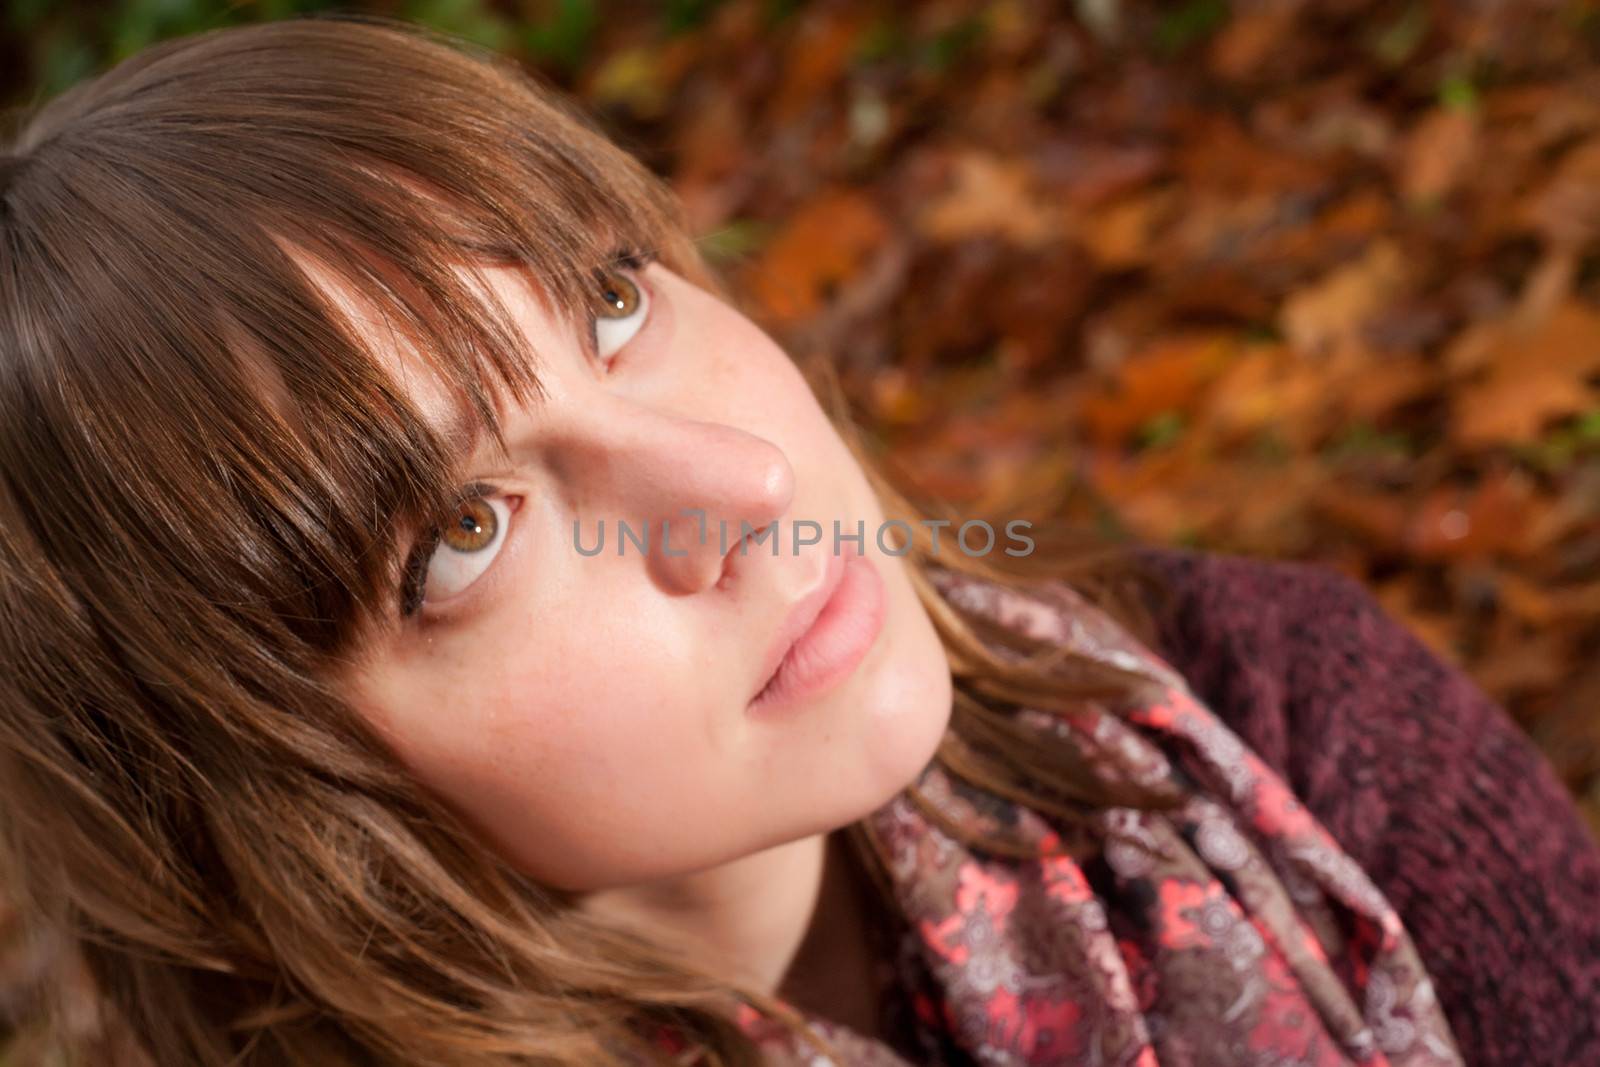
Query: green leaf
{"type": "Point", "coordinates": [1270, 447]}
{"type": "Point", "coordinates": [880, 40]}
{"type": "Point", "coordinates": [66, 61]}
{"type": "Point", "coordinates": [470, 20]}
{"type": "Point", "coordinates": [1161, 430]}
{"type": "Point", "coordinates": [681, 16]}
{"type": "Point", "coordinates": [1192, 21]}
{"type": "Point", "coordinates": [777, 12]}
{"type": "Point", "coordinates": [1396, 42]}
{"type": "Point", "coordinates": [25, 16]}
{"type": "Point", "coordinates": [734, 240]}
{"type": "Point", "coordinates": [1456, 91]}
{"type": "Point", "coordinates": [949, 45]}
{"type": "Point", "coordinates": [1362, 439]}
{"type": "Point", "coordinates": [563, 39]}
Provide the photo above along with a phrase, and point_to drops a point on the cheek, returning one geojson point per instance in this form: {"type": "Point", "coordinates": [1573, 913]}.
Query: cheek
{"type": "Point", "coordinates": [564, 745]}
{"type": "Point", "coordinates": [553, 713]}
{"type": "Point", "coordinates": [755, 384]}
{"type": "Point", "coordinates": [914, 692]}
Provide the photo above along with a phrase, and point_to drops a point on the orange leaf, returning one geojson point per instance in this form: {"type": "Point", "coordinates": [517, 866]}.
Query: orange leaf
{"type": "Point", "coordinates": [1437, 153]}
{"type": "Point", "coordinates": [1535, 374]}
{"type": "Point", "coordinates": [1166, 376]}
{"type": "Point", "coordinates": [1249, 38]}
{"type": "Point", "coordinates": [1566, 208]}
{"type": "Point", "coordinates": [990, 196]}
{"type": "Point", "coordinates": [1336, 307]}
{"type": "Point", "coordinates": [1120, 234]}
{"type": "Point", "coordinates": [1493, 519]}
{"type": "Point", "coordinates": [820, 247]}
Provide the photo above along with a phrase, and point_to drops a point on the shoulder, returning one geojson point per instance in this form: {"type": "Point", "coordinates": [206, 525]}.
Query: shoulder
{"type": "Point", "coordinates": [1220, 604]}
{"type": "Point", "coordinates": [1350, 706]}
{"type": "Point", "coordinates": [1314, 672]}
{"type": "Point", "coordinates": [1273, 644]}
{"type": "Point", "coordinates": [1422, 778]}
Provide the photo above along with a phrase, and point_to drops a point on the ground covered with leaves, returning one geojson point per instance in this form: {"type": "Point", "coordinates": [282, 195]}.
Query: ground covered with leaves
{"type": "Point", "coordinates": [1314, 281]}
{"type": "Point", "coordinates": [1311, 281]}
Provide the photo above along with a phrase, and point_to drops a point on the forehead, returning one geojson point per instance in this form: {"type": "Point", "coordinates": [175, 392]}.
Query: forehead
{"type": "Point", "coordinates": [400, 354]}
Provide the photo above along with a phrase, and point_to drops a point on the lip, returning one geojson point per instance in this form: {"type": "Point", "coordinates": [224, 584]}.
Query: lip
{"type": "Point", "coordinates": [825, 635]}
{"type": "Point", "coordinates": [800, 618]}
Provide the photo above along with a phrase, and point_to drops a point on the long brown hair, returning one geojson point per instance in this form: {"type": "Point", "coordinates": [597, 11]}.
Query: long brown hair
{"type": "Point", "coordinates": [202, 471]}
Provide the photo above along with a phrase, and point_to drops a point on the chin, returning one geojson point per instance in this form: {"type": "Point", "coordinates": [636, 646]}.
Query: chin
{"type": "Point", "coordinates": [912, 703]}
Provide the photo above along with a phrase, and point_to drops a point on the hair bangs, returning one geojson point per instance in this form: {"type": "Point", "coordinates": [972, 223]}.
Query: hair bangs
{"type": "Point", "coordinates": [257, 220]}
{"type": "Point", "coordinates": [414, 263]}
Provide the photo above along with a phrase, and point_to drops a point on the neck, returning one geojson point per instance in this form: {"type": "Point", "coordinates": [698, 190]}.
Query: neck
{"type": "Point", "coordinates": [790, 920]}
{"type": "Point", "coordinates": [745, 919]}
{"type": "Point", "coordinates": [834, 972]}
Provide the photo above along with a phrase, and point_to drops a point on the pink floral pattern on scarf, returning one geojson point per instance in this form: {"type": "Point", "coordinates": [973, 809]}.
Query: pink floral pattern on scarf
{"type": "Point", "coordinates": [1231, 931]}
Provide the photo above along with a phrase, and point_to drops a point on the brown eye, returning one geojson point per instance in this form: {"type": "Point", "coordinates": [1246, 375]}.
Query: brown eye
{"type": "Point", "coordinates": [619, 296]}
{"type": "Point", "coordinates": [461, 551]}
{"type": "Point", "coordinates": [473, 528]}
{"type": "Point", "coordinates": [622, 305]}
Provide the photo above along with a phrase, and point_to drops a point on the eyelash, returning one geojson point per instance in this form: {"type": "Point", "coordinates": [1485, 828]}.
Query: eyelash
{"type": "Point", "coordinates": [416, 563]}
{"type": "Point", "coordinates": [414, 569]}
{"type": "Point", "coordinates": [634, 260]}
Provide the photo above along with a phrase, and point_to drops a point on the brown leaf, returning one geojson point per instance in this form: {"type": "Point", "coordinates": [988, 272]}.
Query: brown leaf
{"type": "Point", "coordinates": [1544, 606]}
{"type": "Point", "coordinates": [1267, 386]}
{"type": "Point", "coordinates": [1383, 384]}
{"type": "Point", "coordinates": [1566, 207]}
{"type": "Point", "coordinates": [1491, 520]}
{"type": "Point", "coordinates": [1085, 173]}
{"type": "Point", "coordinates": [990, 195]}
{"type": "Point", "coordinates": [1378, 517]}
{"type": "Point", "coordinates": [1166, 376]}
{"type": "Point", "coordinates": [821, 246]}
{"type": "Point", "coordinates": [1437, 630]}
{"type": "Point", "coordinates": [818, 53]}
{"type": "Point", "coordinates": [1249, 39]}
{"type": "Point", "coordinates": [1220, 155]}
{"type": "Point", "coordinates": [1511, 408]}
{"type": "Point", "coordinates": [1335, 308]}
{"type": "Point", "coordinates": [1438, 153]}
{"type": "Point", "coordinates": [1121, 234]}
{"type": "Point", "coordinates": [1536, 374]}
{"type": "Point", "coordinates": [1174, 494]}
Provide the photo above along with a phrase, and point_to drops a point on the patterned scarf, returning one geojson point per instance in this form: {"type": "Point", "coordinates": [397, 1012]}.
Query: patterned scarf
{"type": "Point", "coordinates": [1232, 930]}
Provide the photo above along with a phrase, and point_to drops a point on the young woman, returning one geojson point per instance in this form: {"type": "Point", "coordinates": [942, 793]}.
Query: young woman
{"type": "Point", "coordinates": [437, 628]}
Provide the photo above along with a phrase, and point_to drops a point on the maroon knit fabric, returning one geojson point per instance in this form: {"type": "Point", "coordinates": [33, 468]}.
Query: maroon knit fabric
{"type": "Point", "coordinates": [1424, 780]}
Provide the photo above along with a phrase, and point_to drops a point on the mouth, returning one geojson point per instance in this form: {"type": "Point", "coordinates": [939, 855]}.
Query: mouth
{"type": "Point", "coordinates": [825, 635]}
{"type": "Point", "coordinates": [801, 618]}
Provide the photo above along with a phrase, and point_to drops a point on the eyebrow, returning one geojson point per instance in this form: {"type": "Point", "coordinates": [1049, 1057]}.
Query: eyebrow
{"type": "Point", "coordinates": [463, 432]}
{"type": "Point", "coordinates": [460, 435]}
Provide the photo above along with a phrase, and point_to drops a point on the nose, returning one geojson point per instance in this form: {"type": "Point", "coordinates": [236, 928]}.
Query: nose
{"type": "Point", "coordinates": [688, 491]}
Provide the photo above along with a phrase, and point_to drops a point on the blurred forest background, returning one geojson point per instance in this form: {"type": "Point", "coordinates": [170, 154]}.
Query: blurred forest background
{"type": "Point", "coordinates": [1314, 281]}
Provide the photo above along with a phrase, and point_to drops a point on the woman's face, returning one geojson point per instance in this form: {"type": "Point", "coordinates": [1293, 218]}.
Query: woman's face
{"type": "Point", "coordinates": [596, 713]}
